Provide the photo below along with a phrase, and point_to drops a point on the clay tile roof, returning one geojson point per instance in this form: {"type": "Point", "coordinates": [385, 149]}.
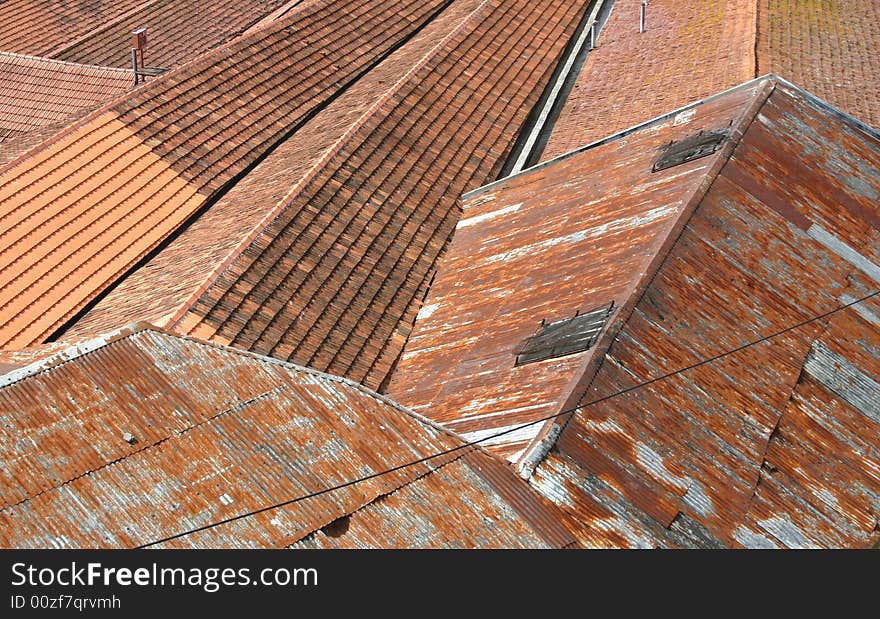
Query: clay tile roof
{"type": "Point", "coordinates": [690, 50]}
{"type": "Point", "coordinates": [37, 27]}
{"type": "Point", "coordinates": [337, 231]}
{"type": "Point", "coordinates": [140, 435]}
{"type": "Point", "coordinates": [773, 446]}
{"type": "Point", "coordinates": [86, 205]}
{"type": "Point", "coordinates": [177, 31]}
{"type": "Point", "coordinates": [35, 92]}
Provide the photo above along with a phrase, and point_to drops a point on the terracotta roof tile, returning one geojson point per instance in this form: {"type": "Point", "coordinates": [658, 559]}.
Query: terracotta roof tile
{"type": "Point", "coordinates": [690, 50]}
{"type": "Point", "coordinates": [177, 31]}
{"type": "Point", "coordinates": [85, 206]}
{"type": "Point", "coordinates": [141, 435]}
{"type": "Point", "coordinates": [772, 446]}
{"type": "Point", "coordinates": [35, 92]}
{"type": "Point", "coordinates": [830, 48]}
{"type": "Point", "coordinates": [333, 272]}
{"type": "Point", "coordinates": [37, 27]}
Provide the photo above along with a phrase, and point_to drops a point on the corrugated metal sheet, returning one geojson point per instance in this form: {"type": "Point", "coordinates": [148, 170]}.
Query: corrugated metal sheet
{"type": "Point", "coordinates": [776, 445]}
{"type": "Point", "coordinates": [571, 236]}
{"type": "Point", "coordinates": [84, 207]}
{"type": "Point", "coordinates": [218, 433]}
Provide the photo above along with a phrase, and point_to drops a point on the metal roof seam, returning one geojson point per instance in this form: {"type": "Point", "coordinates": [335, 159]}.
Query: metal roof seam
{"type": "Point", "coordinates": [580, 384]}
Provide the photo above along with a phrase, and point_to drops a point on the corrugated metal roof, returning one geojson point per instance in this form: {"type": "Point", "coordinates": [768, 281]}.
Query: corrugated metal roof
{"type": "Point", "coordinates": [774, 445]}
{"type": "Point", "coordinates": [141, 435]}
{"type": "Point", "coordinates": [345, 221]}
{"type": "Point", "coordinates": [541, 246]}
{"type": "Point", "coordinates": [83, 208]}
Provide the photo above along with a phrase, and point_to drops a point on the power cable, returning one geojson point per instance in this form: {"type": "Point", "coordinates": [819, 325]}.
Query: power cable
{"type": "Point", "coordinates": [517, 427]}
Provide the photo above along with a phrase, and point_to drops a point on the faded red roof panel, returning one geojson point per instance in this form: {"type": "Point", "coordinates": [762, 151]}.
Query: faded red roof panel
{"type": "Point", "coordinates": [541, 246]}
{"type": "Point", "coordinates": [689, 50]}
{"type": "Point", "coordinates": [141, 435]}
{"type": "Point", "coordinates": [37, 27]}
{"type": "Point", "coordinates": [333, 272]}
{"type": "Point", "coordinates": [79, 211]}
{"type": "Point", "coordinates": [775, 445]}
{"type": "Point", "coordinates": [177, 31]}
{"type": "Point", "coordinates": [830, 48]}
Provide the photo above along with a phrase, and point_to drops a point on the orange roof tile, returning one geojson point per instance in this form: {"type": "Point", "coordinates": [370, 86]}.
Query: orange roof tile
{"type": "Point", "coordinates": [772, 446]}
{"type": "Point", "coordinates": [344, 221]}
{"type": "Point", "coordinates": [177, 31]}
{"type": "Point", "coordinates": [80, 210]}
{"type": "Point", "coordinates": [35, 92]}
{"type": "Point", "coordinates": [141, 435]}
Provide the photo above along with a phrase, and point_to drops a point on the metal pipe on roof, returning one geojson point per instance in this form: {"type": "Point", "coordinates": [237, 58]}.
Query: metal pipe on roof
{"type": "Point", "coordinates": [642, 10]}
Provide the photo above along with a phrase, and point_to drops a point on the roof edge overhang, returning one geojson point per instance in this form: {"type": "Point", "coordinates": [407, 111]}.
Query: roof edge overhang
{"type": "Point", "coordinates": [772, 77]}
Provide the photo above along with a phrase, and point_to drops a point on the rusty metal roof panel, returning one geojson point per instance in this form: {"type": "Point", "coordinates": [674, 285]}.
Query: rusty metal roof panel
{"type": "Point", "coordinates": [86, 205]}
{"type": "Point", "coordinates": [774, 445]}
{"type": "Point", "coordinates": [443, 502]}
{"type": "Point", "coordinates": [332, 269]}
{"type": "Point", "coordinates": [538, 247]}
{"type": "Point", "coordinates": [141, 435]}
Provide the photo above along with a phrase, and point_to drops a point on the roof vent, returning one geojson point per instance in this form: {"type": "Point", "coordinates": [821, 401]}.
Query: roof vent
{"type": "Point", "coordinates": [565, 337]}
{"type": "Point", "coordinates": [138, 65]}
{"type": "Point", "coordinates": [129, 438]}
{"type": "Point", "coordinates": [693, 147]}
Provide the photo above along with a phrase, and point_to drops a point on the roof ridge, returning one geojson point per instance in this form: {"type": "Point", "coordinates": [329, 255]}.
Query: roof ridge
{"type": "Point", "coordinates": [153, 83]}
{"type": "Point", "coordinates": [629, 130]}
{"type": "Point", "coordinates": [540, 445]}
{"type": "Point", "coordinates": [77, 350]}
{"type": "Point", "coordinates": [178, 317]}
{"type": "Point", "coordinates": [103, 27]}
{"type": "Point", "coordinates": [55, 61]}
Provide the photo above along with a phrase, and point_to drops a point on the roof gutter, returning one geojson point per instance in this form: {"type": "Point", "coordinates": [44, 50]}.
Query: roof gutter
{"type": "Point", "coordinates": [566, 73]}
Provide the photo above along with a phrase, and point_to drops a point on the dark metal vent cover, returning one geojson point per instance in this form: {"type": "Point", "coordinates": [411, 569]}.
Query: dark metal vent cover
{"type": "Point", "coordinates": [565, 337]}
{"type": "Point", "coordinates": [692, 147]}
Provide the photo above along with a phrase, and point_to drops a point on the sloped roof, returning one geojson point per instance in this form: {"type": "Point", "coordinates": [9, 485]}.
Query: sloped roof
{"type": "Point", "coordinates": [38, 92]}
{"type": "Point", "coordinates": [37, 27]}
{"type": "Point", "coordinates": [216, 433]}
{"type": "Point", "coordinates": [81, 209]}
{"type": "Point", "coordinates": [690, 50]}
{"type": "Point", "coordinates": [775, 445]}
{"type": "Point", "coordinates": [601, 232]}
{"type": "Point", "coordinates": [177, 31]}
{"type": "Point", "coordinates": [340, 227]}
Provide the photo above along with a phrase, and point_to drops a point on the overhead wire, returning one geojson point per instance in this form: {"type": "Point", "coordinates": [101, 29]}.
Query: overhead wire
{"type": "Point", "coordinates": [509, 430]}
